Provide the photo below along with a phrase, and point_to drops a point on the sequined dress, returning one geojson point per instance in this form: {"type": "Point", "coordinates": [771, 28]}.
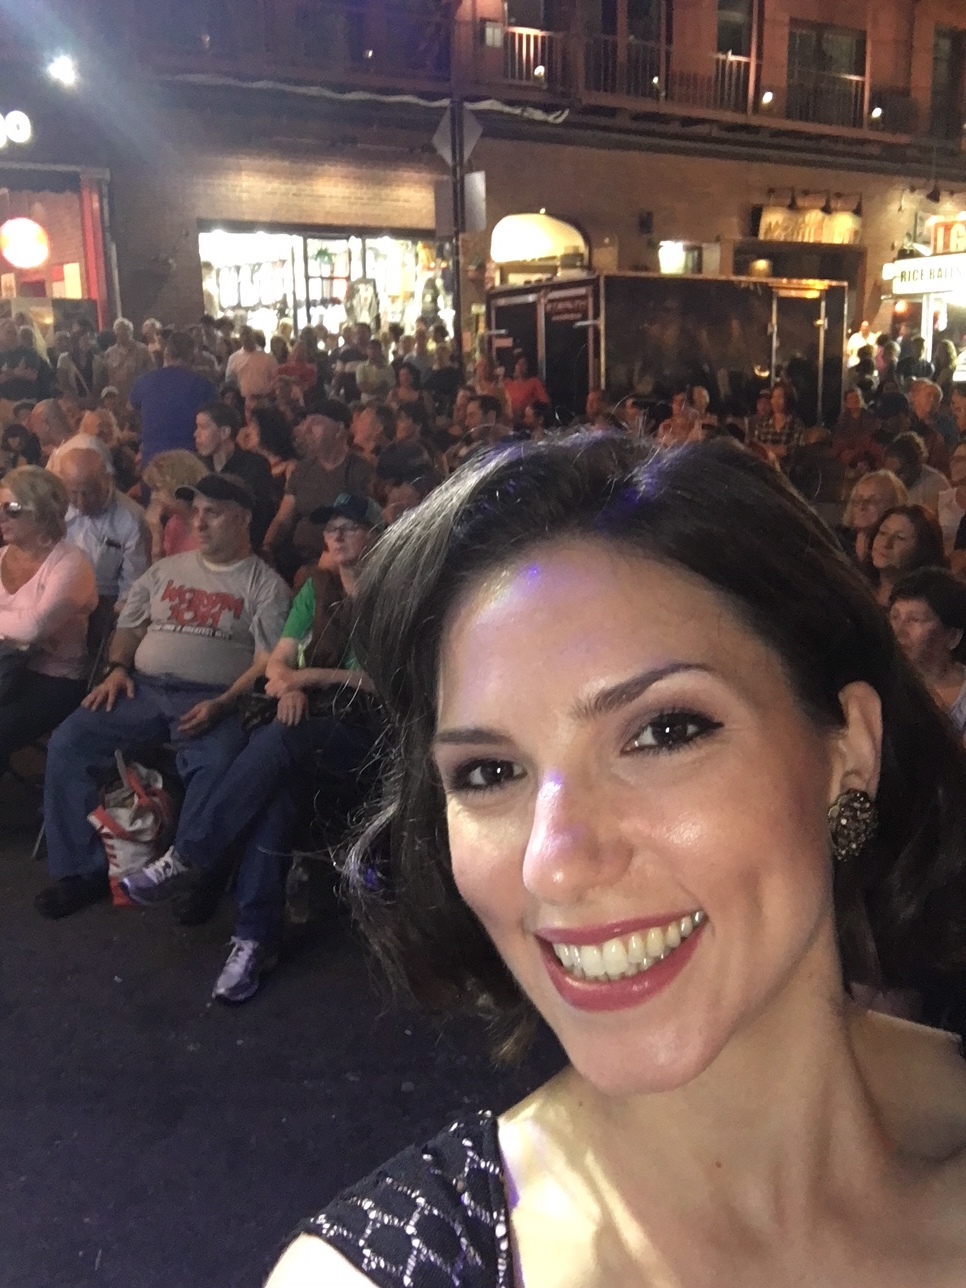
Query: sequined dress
{"type": "Point", "coordinates": [435, 1216]}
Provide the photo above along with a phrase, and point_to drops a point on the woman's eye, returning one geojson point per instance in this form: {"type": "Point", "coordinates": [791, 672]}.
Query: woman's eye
{"type": "Point", "coordinates": [484, 775]}
{"type": "Point", "coordinates": [672, 730]}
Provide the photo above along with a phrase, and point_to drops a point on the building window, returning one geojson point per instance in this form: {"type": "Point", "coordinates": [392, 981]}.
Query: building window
{"type": "Point", "coordinates": [734, 27]}
{"type": "Point", "coordinates": [948, 63]}
{"type": "Point", "coordinates": [826, 74]}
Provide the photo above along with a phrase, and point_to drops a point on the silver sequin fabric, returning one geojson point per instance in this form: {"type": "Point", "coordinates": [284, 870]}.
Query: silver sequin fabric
{"type": "Point", "coordinates": [433, 1217]}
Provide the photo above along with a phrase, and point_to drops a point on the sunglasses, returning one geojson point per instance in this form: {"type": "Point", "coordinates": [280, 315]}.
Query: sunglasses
{"type": "Point", "coordinates": [12, 509]}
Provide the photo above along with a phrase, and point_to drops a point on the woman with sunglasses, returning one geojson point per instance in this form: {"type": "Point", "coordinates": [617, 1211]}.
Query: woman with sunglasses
{"type": "Point", "coordinates": [47, 594]}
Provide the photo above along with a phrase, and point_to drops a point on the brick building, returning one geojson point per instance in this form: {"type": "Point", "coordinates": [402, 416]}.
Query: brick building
{"type": "Point", "coordinates": [717, 134]}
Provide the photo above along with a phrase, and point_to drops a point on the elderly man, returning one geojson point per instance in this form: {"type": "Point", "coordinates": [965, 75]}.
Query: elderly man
{"type": "Point", "coordinates": [194, 634]}
{"type": "Point", "coordinates": [105, 524]}
{"type": "Point", "coordinates": [328, 470]}
{"type": "Point", "coordinates": [50, 426]}
{"type": "Point", "coordinates": [932, 422]}
{"type": "Point", "coordinates": [126, 359]}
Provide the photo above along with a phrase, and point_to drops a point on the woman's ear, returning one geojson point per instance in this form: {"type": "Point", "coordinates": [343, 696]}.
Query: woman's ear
{"type": "Point", "coordinates": [857, 747]}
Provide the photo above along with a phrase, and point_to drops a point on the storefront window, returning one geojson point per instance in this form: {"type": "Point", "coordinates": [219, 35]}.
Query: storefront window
{"type": "Point", "coordinates": [339, 278]}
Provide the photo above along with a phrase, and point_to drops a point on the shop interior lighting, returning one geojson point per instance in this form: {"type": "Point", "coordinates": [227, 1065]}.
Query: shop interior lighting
{"type": "Point", "coordinates": [539, 72]}
{"type": "Point", "coordinates": [767, 98]}
{"type": "Point", "coordinates": [827, 207]}
{"type": "Point", "coordinates": [858, 207]}
{"type": "Point", "coordinates": [935, 194]}
{"type": "Point", "coordinates": [876, 113]}
{"type": "Point", "coordinates": [63, 69]}
{"type": "Point", "coordinates": [793, 200]}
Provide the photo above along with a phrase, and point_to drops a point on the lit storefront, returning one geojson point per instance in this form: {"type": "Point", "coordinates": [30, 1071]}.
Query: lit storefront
{"type": "Point", "coordinates": [54, 259]}
{"type": "Point", "coordinates": [929, 291]}
{"type": "Point", "coordinates": [270, 277]}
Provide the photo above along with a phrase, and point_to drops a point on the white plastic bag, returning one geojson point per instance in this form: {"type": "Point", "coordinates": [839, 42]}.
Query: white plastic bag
{"type": "Point", "coordinates": [131, 821]}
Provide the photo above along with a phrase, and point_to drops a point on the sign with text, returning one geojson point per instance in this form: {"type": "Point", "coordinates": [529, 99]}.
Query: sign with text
{"type": "Point", "coordinates": [840, 228]}
{"type": "Point", "coordinates": [937, 274]}
{"type": "Point", "coordinates": [948, 236]}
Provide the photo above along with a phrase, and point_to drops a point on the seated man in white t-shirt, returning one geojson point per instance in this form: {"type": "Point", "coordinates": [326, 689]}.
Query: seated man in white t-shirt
{"type": "Point", "coordinates": [195, 633]}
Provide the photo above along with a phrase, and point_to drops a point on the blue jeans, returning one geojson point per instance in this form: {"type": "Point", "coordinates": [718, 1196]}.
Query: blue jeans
{"type": "Point", "coordinates": [84, 745]}
{"type": "Point", "coordinates": [258, 797]}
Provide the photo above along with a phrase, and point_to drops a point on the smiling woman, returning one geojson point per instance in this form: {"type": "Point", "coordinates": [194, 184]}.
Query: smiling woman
{"type": "Point", "coordinates": [642, 708]}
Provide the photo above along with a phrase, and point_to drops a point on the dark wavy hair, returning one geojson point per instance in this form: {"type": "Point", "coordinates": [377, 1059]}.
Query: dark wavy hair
{"type": "Point", "coordinates": [714, 510]}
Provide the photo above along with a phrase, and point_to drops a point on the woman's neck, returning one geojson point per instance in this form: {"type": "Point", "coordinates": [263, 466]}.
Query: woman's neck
{"type": "Point", "coordinates": [941, 671]}
{"type": "Point", "coordinates": [765, 1133]}
{"type": "Point", "coordinates": [221, 455]}
{"type": "Point", "coordinates": [34, 551]}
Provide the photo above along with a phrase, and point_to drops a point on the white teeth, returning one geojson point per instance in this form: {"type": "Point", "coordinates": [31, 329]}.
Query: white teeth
{"type": "Point", "coordinates": [615, 958]}
{"type": "Point", "coordinates": [624, 958]}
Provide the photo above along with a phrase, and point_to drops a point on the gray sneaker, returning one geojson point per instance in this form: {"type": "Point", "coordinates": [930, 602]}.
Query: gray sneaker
{"type": "Point", "coordinates": [161, 880]}
{"type": "Point", "coordinates": [242, 973]}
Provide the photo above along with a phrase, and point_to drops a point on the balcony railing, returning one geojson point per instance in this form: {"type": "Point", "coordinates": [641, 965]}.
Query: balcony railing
{"type": "Point", "coordinates": [533, 57]}
{"type": "Point", "coordinates": [825, 98]}
{"type": "Point", "coordinates": [646, 70]}
{"type": "Point", "coordinates": [409, 45]}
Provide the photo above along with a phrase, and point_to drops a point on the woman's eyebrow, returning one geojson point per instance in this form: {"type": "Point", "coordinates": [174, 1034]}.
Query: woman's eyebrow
{"type": "Point", "coordinates": [600, 704]}
{"type": "Point", "coordinates": [486, 737]}
{"type": "Point", "coordinates": [619, 695]}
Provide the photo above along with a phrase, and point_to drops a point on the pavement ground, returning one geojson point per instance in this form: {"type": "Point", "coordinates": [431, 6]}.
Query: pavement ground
{"type": "Point", "coordinates": [150, 1138]}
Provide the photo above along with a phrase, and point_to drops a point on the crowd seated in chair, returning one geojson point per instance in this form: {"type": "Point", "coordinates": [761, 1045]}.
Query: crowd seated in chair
{"type": "Point", "coordinates": [194, 634]}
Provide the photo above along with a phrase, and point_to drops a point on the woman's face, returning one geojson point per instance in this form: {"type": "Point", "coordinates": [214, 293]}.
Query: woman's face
{"type": "Point", "coordinates": [16, 529]}
{"type": "Point", "coordinates": [778, 399]}
{"type": "Point", "coordinates": [404, 379]}
{"type": "Point", "coordinates": [520, 369]}
{"type": "Point", "coordinates": [853, 402]}
{"type": "Point", "coordinates": [656, 789]}
{"type": "Point", "coordinates": [894, 545]}
{"type": "Point", "coordinates": [920, 633]}
{"type": "Point", "coordinates": [868, 504]}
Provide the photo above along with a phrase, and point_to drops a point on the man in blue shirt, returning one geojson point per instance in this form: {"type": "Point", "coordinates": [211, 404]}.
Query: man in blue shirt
{"type": "Point", "coordinates": [169, 399]}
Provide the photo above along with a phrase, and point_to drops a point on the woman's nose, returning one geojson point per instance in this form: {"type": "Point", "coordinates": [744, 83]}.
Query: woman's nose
{"type": "Point", "coordinates": [573, 845]}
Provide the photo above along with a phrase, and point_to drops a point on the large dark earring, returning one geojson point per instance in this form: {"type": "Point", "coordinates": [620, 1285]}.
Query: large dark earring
{"type": "Point", "coordinates": [852, 821]}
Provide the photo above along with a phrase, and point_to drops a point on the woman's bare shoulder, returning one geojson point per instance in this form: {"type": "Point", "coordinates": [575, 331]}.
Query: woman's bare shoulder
{"type": "Point", "coordinates": [917, 1078]}
{"type": "Point", "coordinates": [312, 1263]}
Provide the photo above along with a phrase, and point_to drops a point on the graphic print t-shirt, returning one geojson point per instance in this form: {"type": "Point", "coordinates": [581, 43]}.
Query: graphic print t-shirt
{"type": "Point", "coordinates": [205, 621]}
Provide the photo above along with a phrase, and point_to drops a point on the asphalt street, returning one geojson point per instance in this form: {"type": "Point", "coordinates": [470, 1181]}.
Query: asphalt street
{"type": "Point", "coordinates": [149, 1137]}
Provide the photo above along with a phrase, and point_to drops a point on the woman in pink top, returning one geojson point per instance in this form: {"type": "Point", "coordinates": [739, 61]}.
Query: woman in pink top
{"type": "Point", "coordinates": [47, 594]}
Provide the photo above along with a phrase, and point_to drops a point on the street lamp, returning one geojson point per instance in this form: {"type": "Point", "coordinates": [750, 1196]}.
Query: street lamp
{"type": "Point", "coordinates": [63, 69]}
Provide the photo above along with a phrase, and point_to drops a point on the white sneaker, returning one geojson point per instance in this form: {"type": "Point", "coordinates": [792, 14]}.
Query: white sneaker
{"type": "Point", "coordinates": [160, 880]}
{"type": "Point", "coordinates": [242, 973]}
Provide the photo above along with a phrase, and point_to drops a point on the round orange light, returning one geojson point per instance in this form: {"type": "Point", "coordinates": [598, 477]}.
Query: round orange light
{"type": "Point", "coordinates": [24, 243]}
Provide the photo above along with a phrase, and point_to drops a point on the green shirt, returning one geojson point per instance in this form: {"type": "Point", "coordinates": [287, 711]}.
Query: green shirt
{"type": "Point", "coordinates": [299, 623]}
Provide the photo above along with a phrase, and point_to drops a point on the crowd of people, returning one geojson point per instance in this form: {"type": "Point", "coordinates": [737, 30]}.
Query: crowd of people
{"type": "Point", "coordinates": [184, 517]}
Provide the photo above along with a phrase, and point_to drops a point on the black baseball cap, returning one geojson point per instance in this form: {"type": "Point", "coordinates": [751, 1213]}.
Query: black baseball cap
{"type": "Point", "coordinates": [357, 509]}
{"type": "Point", "coordinates": [220, 487]}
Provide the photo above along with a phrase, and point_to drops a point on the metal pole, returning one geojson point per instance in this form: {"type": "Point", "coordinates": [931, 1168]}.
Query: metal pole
{"type": "Point", "coordinates": [459, 220]}
{"type": "Point", "coordinates": [820, 393]}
